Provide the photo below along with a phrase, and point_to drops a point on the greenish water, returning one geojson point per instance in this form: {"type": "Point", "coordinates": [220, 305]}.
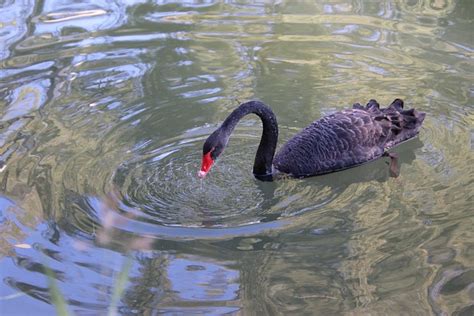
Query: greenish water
{"type": "Point", "coordinates": [105, 106]}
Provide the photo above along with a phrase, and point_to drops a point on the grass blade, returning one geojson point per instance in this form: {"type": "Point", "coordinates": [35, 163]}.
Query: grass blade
{"type": "Point", "coordinates": [119, 286]}
{"type": "Point", "coordinates": [57, 298]}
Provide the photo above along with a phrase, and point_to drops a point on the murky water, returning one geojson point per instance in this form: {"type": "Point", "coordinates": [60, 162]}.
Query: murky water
{"type": "Point", "coordinates": [104, 109]}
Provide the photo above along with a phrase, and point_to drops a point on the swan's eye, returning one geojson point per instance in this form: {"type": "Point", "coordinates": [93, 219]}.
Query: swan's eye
{"type": "Point", "coordinates": [215, 152]}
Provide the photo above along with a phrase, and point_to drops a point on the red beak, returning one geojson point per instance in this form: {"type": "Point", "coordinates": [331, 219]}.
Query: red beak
{"type": "Point", "coordinates": [206, 165]}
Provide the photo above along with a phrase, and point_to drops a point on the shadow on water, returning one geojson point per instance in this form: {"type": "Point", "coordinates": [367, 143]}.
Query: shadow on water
{"type": "Point", "coordinates": [338, 182]}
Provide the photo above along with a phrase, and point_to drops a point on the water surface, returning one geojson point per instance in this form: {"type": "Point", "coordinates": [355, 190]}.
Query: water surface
{"type": "Point", "coordinates": [105, 106]}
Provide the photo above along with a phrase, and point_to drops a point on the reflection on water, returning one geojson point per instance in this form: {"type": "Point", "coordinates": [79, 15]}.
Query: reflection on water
{"type": "Point", "coordinates": [104, 109]}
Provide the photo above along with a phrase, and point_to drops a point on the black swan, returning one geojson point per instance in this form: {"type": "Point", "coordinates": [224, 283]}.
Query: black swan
{"type": "Point", "coordinates": [338, 141]}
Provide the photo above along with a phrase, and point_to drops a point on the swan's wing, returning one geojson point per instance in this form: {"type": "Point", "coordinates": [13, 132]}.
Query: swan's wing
{"type": "Point", "coordinates": [347, 138]}
{"type": "Point", "coordinates": [332, 143]}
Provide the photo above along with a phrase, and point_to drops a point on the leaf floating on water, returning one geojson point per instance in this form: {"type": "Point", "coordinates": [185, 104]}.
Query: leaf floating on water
{"type": "Point", "coordinates": [55, 17]}
{"type": "Point", "coordinates": [12, 296]}
{"type": "Point", "coordinates": [23, 246]}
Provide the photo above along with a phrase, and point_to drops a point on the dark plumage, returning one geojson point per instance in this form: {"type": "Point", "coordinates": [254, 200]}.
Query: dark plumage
{"type": "Point", "coordinates": [335, 142]}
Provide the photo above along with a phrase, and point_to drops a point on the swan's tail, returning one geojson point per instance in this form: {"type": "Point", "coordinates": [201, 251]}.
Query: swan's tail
{"type": "Point", "coordinates": [400, 124]}
{"type": "Point", "coordinates": [405, 123]}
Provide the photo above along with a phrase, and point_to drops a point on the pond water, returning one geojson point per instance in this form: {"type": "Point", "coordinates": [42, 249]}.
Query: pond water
{"type": "Point", "coordinates": [104, 109]}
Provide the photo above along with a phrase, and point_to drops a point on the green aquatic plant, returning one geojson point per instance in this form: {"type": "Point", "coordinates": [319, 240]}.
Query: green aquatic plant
{"type": "Point", "coordinates": [119, 287]}
{"type": "Point", "coordinates": [56, 297]}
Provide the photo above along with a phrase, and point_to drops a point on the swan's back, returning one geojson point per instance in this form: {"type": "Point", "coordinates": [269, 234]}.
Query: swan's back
{"type": "Point", "coordinates": [347, 138]}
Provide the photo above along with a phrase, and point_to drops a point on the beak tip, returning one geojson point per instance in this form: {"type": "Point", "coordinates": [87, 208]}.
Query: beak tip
{"type": "Point", "coordinates": [202, 174]}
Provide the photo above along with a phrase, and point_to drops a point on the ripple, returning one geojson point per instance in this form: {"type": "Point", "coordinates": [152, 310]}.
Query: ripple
{"type": "Point", "coordinates": [163, 184]}
{"type": "Point", "coordinates": [160, 195]}
{"type": "Point", "coordinates": [104, 114]}
{"type": "Point", "coordinates": [160, 186]}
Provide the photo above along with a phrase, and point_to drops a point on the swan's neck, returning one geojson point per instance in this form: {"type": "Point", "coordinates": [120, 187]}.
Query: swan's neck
{"type": "Point", "coordinates": [262, 167]}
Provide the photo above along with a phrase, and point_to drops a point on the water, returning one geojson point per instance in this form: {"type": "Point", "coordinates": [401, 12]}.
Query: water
{"type": "Point", "coordinates": [105, 106]}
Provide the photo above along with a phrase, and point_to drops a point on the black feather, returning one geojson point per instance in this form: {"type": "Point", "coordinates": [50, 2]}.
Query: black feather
{"type": "Point", "coordinates": [334, 142]}
{"type": "Point", "coordinates": [347, 138]}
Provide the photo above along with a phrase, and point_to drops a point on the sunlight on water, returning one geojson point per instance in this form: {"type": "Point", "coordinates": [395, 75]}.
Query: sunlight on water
{"type": "Point", "coordinates": [105, 107]}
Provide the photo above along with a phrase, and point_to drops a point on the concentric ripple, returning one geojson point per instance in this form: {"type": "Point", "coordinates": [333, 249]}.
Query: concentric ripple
{"type": "Point", "coordinates": [103, 113]}
{"type": "Point", "coordinates": [162, 185]}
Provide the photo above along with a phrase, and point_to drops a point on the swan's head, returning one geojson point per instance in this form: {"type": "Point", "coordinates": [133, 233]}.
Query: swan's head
{"type": "Point", "coordinates": [213, 147]}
